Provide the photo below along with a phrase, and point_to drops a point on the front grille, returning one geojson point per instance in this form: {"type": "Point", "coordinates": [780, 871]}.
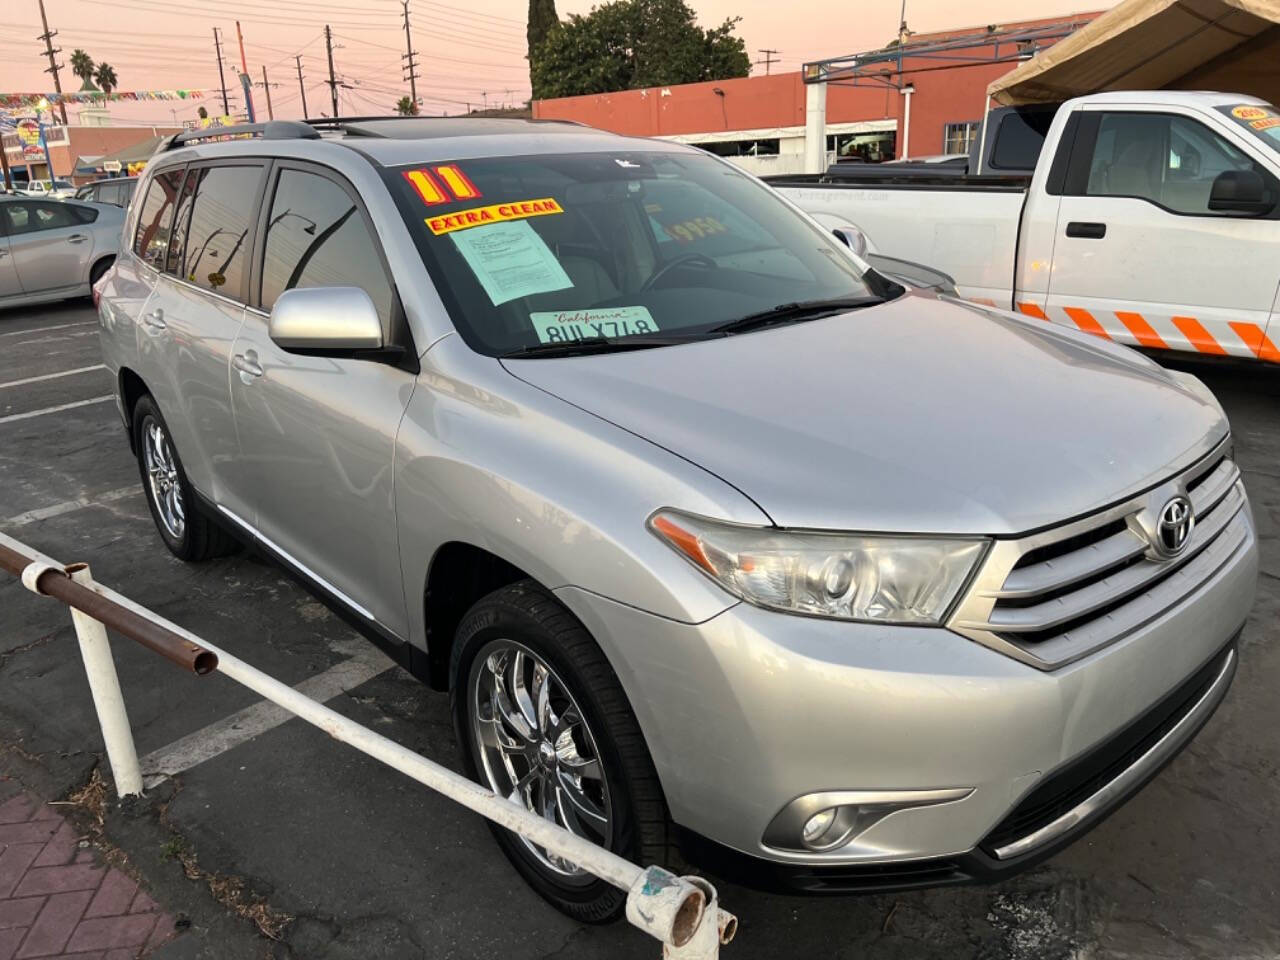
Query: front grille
{"type": "Point", "coordinates": [1056, 596]}
{"type": "Point", "coordinates": [1070, 786]}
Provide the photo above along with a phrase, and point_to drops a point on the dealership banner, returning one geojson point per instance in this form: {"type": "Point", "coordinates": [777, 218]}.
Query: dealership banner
{"type": "Point", "coordinates": [19, 101]}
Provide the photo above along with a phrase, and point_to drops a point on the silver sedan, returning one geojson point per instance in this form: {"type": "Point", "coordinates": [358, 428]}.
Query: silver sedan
{"type": "Point", "coordinates": [54, 249]}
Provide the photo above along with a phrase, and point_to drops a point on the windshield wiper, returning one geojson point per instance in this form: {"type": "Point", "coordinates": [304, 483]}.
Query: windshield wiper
{"type": "Point", "coordinates": [795, 312]}
{"type": "Point", "coordinates": [566, 348]}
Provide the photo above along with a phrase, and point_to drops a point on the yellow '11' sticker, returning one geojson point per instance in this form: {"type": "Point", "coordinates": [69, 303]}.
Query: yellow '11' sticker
{"type": "Point", "coordinates": [494, 213]}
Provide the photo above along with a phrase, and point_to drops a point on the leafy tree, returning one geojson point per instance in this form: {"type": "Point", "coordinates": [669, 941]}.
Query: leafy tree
{"type": "Point", "coordinates": [627, 44]}
{"type": "Point", "coordinates": [106, 77]}
{"type": "Point", "coordinates": [406, 107]}
{"type": "Point", "coordinates": [82, 66]}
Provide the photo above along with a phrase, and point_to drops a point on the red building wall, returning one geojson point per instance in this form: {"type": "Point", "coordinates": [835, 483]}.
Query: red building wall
{"type": "Point", "coordinates": [946, 92]}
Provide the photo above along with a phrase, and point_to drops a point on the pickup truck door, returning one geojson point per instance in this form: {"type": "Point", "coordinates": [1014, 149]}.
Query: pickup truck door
{"type": "Point", "coordinates": [317, 433]}
{"type": "Point", "coordinates": [1138, 255]}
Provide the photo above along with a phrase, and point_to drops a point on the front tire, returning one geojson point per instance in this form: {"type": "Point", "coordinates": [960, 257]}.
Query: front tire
{"type": "Point", "coordinates": [183, 526]}
{"type": "Point", "coordinates": [541, 718]}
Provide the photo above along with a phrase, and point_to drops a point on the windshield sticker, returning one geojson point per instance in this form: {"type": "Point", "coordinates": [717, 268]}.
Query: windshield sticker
{"type": "Point", "coordinates": [1265, 124]}
{"type": "Point", "coordinates": [565, 326]}
{"type": "Point", "coordinates": [687, 231]}
{"type": "Point", "coordinates": [457, 182]}
{"type": "Point", "coordinates": [429, 191]}
{"type": "Point", "coordinates": [476, 216]}
{"type": "Point", "coordinates": [510, 260]}
{"type": "Point", "coordinates": [1248, 112]}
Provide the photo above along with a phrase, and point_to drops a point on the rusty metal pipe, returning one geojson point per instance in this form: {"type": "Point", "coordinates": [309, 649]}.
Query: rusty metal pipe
{"type": "Point", "coordinates": [54, 581]}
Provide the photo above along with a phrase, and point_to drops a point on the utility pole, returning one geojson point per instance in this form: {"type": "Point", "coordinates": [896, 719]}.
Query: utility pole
{"type": "Point", "coordinates": [54, 66]}
{"type": "Point", "coordinates": [769, 59]}
{"type": "Point", "coordinates": [222, 80]}
{"type": "Point", "coordinates": [332, 81]}
{"type": "Point", "coordinates": [301, 89]}
{"type": "Point", "coordinates": [411, 64]}
{"type": "Point", "coordinates": [267, 87]}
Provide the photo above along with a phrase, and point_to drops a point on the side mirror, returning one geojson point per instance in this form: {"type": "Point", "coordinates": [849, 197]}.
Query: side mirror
{"type": "Point", "coordinates": [1240, 191]}
{"type": "Point", "coordinates": [853, 238]}
{"type": "Point", "coordinates": [326, 321]}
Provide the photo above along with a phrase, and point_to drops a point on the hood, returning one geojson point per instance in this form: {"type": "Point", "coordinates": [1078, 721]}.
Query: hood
{"type": "Point", "coordinates": [918, 415]}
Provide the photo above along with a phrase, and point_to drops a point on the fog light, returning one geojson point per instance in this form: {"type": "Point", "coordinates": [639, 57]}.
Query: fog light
{"type": "Point", "coordinates": [817, 826]}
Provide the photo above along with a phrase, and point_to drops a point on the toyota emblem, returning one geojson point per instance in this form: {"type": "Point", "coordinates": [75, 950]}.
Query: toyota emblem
{"type": "Point", "coordinates": [1173, 529]}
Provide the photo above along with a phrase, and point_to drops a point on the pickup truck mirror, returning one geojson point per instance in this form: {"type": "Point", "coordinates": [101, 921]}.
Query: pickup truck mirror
{"type": "Point", "coordinates": [326, 321]}
{"type": "Point", "coordinates": [852, 237]}
{"type": "Point", "coordinates": [1240, 191]}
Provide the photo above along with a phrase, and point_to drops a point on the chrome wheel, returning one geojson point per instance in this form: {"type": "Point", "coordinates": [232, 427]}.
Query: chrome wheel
{"type": "Point", "coordinates": [535, 747]}
{"type": "Point", "coordinates": [162, 478]}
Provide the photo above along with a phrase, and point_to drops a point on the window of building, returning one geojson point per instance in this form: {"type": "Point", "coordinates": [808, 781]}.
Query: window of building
{"type": "Point", "coordinates": [152, 240]}
{"type": "Point", "coordinates": [222, 214]}
{"type": "Point", "coordinates": [958, 137]}
{"type": "Point", "coordinates": [874, 147]}
{"type": "Point", "coordinates": [316, 237]}
{"type": "Point", "coordinates": [768, 147]}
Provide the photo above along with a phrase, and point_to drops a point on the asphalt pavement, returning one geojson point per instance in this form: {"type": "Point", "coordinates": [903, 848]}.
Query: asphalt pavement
{"type": "Point", "coordinates": [278, 821]}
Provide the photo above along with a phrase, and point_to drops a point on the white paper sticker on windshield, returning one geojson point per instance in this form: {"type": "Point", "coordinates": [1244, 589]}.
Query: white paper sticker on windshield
{"type": "Point", "coordinates": [565, 326]}
{"type": "Point", "coordinates": [510, 260]}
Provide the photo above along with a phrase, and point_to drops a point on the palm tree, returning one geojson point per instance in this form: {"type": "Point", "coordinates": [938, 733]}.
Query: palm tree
{"type": "Point", "coordinates": [406, 107]}
{"type": "Point", "coordinates": [82, 66]}
{"type": "Point", "coordinates": [106, 77]}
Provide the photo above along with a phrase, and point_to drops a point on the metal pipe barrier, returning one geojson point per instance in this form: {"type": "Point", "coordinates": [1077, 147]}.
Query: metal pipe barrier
{"type": "Point", "coordinates": [682, 912]}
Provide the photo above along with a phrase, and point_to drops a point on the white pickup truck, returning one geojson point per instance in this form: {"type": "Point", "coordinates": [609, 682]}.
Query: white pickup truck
{"type": "Point", "coordinates": [1152, 218]}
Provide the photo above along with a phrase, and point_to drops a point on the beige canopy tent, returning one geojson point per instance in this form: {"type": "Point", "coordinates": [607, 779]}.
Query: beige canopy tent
{"type": "Point", "coordinates": [1227, 45]}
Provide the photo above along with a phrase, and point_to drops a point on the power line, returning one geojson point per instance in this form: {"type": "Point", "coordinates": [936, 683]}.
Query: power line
{"type": "Point", "coordinates": [770, 58]}
{"type": "Point", "coordinates": [54, 66]}
{"type": "Point", "coordinates": [411, 65]}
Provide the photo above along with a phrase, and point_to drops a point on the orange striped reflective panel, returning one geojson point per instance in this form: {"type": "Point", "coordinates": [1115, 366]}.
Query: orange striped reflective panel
{"type": "Point", "coordinates": [1142, 331]}
{"type": "Point", "coordinates": [1257, 341]}
{"type": "Point", "coordinates": [1198, 336]}
{"type": "Point", "coordinates": [457, 182]}
{"type": "Point", "coordinates": [1084, 320]}
{"type": "Point", "coordinates": [428, 190]}
{"type": "Point", "coordinates": [1031, 310]}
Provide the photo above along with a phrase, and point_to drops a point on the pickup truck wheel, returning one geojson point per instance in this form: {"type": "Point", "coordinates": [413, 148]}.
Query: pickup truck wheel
{"type": "Point", "coordinates": [541, 719]}
{"type": "Point", "coordinates": [183, 526]}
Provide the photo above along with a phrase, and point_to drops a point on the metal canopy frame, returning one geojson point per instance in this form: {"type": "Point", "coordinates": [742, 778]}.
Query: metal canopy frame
{"type": "Point", "coordinates": [884, 67]}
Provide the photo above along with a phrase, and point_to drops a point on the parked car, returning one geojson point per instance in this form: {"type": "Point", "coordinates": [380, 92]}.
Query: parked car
{"type": "Point", "coordinates": [114, 190]}
{"type": "Point", "coordinates": [718, 537]}
{"type": "Point", "coordinates": [49, 188]}
{"type": "Point", "coordinates": [54, 249]}
{"type": "Point", "coordinates": [1153, 219]}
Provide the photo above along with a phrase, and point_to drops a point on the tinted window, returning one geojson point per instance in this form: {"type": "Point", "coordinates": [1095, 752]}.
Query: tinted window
{"type": "Point", "coordinates": [152, 240]}
{"type": "Point", "coordinates": [35, 216]}
{"type": "Point", "coordinates": [216, 251]}
{"type": "Point", "coordinates": [83, 214]}
{"type": "Point", "coordinates": [181, 224]}
{"type": "Point", "coordinates": [1019, 139]}
{"type": "Point", "coordinates": [1167, 159]}
{"type": "Point", "coordinates": [108, 193]}
{"type": "Point", "coordinates": [316, 237]}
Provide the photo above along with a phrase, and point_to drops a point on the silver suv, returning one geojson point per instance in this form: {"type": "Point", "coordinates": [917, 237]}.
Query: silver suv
{"type": "Point", "coordinates": [722, 541]}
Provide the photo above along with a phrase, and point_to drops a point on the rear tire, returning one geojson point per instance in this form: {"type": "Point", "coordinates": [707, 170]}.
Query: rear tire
{"type": "Point", "coordinates": [188, 532]}
{"type": "Point", "coordinates": [100, 268]}
{"type": "Point", "coordinates": [524, 620]}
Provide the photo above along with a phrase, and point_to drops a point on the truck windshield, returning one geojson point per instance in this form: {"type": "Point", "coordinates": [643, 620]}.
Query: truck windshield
{"type": "Point", "coordinates": [1260, 119]}
{"type": "Point", "coordinates": [663, 247]}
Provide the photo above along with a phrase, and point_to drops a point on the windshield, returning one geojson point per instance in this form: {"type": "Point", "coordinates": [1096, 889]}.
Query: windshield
{"type": "Point", "coordinates": [1260, 119]}
{"type": "Point", "coordinates": [63, 184]}
{"type": "Point", "coordinates": [553, 249]}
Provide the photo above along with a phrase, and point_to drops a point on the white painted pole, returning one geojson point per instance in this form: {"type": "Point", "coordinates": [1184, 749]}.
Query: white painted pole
{"type": "Point", "coordinates": [95, 650]}
{"type": "Point", "coordinates": [982, 135]}
{"type": "Point", "coordinates": [907, 91]}
{"type": "Point", "coordinates": [815, 127]}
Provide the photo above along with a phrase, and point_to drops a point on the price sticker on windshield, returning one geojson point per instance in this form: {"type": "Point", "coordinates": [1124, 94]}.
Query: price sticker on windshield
{"type": "Point", "coordinates": [566, 326]}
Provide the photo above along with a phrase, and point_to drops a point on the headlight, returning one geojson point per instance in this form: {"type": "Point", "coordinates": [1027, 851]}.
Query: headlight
{"type": "Point", "coordinates": [884, 579]}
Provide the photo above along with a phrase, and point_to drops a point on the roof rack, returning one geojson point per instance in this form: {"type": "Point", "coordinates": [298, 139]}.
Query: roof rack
{"type": "Point", "coordinates": [272, 130]}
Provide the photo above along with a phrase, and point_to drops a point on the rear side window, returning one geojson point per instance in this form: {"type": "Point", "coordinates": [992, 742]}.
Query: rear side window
{"type": "Point", "coordinates": [36, 215]}
{"type": "Point", "coordinates": [316, 237]}
{"type": "Point", "coordinates": [108, 193]}
{"type": "Point", "coordinates": [83, 214]}
{"type": "Point", "coordinates": [181, 223]}
{"type": "Point", "coordinates": [151, 242]}
{"type": "Point", "coordinates": [1019, 139]}
{"type": "Point", "coordinates": [217, 246]}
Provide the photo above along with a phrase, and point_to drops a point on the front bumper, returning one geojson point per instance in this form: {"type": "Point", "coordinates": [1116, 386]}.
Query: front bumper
{"type": "Point", "coordinates": [751, 709]}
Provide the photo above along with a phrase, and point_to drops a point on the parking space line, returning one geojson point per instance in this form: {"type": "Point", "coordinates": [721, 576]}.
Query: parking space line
{"type": "Point", "coordinates": [60, 407]}
{"type": "Point", "coordinates": [219, 737]}
{"type": "Point", "coordinates": [52, 376]}
{"type": "Point", "coordinates": [56, 326]}
{"type": "Point", "coordinates": [70, 506]}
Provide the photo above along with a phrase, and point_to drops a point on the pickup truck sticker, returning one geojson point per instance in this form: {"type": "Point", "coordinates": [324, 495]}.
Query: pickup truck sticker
{"type": "Point", "coordinates": [565, 326]}
{"type": "Point", "coordinates": [1248, 112]}
{"type": "Point", "coordinates": [495, 213]}
{"type": "Point", "coordinates": [511, 261]}
{"type": "Point", "coordinates": [1266, 123]}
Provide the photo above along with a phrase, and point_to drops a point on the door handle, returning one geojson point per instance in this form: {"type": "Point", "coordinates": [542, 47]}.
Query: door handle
{"type": "Point", "coordinates": [1086, 231]}
{"type": "Point", "coordinates": [155, 320]}
{"type": "Point", "coordinates": [77, 238]}
{"type": "Point", "coordinates": [247, 364]}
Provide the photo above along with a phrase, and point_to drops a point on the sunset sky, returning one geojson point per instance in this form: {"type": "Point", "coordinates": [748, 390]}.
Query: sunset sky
{"type": "Point", "coordinates": [470, 52]}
